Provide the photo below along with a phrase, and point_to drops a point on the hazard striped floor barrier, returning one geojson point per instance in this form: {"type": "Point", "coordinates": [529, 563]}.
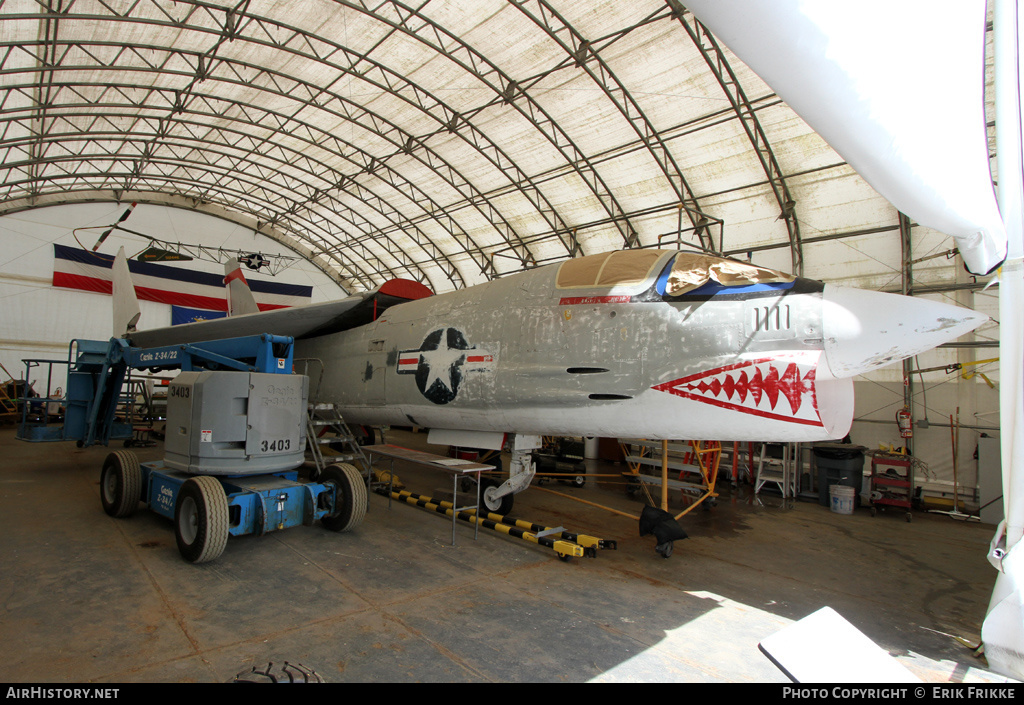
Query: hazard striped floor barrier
{"type": "Point", "coordinates": [563, 545]}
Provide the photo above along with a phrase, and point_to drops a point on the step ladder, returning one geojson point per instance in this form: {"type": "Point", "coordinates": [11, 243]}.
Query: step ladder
{"type": "Point", "coordinates": [781, 471]}
{"type": "Point", "coordinates": [128, 406]}
{"type": "Point", "coordinates": [325, 415]}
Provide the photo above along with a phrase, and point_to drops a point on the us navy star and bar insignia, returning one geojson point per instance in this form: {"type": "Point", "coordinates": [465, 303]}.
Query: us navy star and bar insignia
{"type": "Point", "coordinates": [441, 363]}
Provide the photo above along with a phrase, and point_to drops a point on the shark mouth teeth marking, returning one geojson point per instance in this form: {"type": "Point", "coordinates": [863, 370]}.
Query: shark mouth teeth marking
{"type": "Point", "coordinates": [777, 389]}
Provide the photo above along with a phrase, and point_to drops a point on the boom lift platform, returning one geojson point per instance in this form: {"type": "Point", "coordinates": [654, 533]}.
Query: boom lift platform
{"type": "Point", "coordinates": [236, 419]}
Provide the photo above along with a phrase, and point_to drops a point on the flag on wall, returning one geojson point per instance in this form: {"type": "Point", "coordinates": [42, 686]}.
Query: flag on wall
{"type": "Point", "coordinates": [75, 268]}
{"type": "Point", "coordinates": [181, 315]}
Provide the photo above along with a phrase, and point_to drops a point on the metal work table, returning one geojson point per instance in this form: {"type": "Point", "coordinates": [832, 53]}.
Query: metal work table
{"type": "Point", "coordinates": [454, 466]}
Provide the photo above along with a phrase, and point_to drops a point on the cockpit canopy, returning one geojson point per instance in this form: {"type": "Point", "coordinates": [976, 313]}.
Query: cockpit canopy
{"type": "Point", "coordinates": [623, 268]}
{"type": "Point", "coordinates": [685, 272]}
{"type": "Point", "coordinates": [690, 272]}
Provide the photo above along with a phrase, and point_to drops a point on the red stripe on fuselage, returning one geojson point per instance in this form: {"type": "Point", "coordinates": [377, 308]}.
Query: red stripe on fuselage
{"type": "Point", "coordinates": [577, 300]}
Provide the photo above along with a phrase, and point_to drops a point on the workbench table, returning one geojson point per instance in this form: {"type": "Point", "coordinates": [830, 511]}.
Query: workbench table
{"type": "Point", "coordinates": [454, 466]}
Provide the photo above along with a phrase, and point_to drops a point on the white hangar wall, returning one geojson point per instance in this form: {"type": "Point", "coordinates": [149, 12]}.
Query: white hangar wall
{"type": "Point", "coordinates": [39, 320]}
{"type": "Point", "coordinates": [974, 408]}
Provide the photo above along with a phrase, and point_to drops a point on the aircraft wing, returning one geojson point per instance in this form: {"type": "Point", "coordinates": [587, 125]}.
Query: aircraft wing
{"type": "Point", "coordinates": [298, 322]}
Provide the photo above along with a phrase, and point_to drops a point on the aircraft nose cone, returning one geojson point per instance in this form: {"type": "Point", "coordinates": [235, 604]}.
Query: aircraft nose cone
{"type": "Point", "coordinates": [865, 330]}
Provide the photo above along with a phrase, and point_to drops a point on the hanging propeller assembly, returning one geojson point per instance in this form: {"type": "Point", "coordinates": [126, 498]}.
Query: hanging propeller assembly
{"type": "Point", "coordinates": [158, 250]}
{"type": "Point", "coordinates": [106, 233]}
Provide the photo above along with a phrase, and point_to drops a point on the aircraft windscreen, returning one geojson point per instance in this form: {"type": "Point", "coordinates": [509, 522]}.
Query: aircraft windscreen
{"type": "Point", "coordinates": [622, 268]}
{"type": "Point", "coordinates": [689, 272]}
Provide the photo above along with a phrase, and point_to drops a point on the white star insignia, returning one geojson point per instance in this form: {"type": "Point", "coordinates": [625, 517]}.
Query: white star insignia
{"type": "Point", "coordinates": [441, 363]}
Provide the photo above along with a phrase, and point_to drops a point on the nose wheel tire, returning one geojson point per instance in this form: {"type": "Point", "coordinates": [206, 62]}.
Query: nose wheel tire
{"type": "Point", "coordinates": [350, 502]}
{"type": "Point", "coordinates": [201, 519]}
{"type": "Point", "coordinates": [493, 504]}
{"type": "Point", "coordinates": [120, 484]}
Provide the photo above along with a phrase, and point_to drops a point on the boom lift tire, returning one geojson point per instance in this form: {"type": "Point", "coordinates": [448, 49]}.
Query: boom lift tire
{"type": "Point", "coordinates": [121, 484]}
{"type": "Point", "coordinates": [201, 519]}
{"type": "Point", "coordinates": [350, 503]}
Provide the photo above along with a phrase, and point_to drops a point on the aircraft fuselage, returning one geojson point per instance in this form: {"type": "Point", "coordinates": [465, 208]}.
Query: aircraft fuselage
{"type": "Point", "coordinates": [542, 353]}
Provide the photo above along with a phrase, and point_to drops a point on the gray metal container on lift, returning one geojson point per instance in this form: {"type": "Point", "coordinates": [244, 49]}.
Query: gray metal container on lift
{"type": "Point", "coordinates": [235, 423]}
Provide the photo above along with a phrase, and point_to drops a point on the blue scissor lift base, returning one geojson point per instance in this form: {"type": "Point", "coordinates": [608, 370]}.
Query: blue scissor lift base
{"type": "Point", "coordinates": [257, 504]}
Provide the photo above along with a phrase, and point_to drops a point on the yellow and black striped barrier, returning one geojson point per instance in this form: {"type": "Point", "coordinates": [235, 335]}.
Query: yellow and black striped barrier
{"type": "Point", "coordinates": [564, 548]}
{"type": "Point", "coordinates": [591, 542]}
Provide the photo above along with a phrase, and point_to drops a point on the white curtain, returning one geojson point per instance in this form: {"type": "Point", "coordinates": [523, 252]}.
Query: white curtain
{"type": "Point", "coordinates": [896, 87]}
{"type": "Point", "coordinates": [1003, 630]}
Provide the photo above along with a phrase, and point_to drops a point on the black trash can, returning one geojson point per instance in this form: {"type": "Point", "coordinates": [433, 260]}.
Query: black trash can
{"type": "Point", "coordinates": [839, 464]}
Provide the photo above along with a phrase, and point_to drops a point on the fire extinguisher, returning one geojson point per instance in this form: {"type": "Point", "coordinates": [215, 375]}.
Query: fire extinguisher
{"type": "Point", "coordinates": [903, 420]}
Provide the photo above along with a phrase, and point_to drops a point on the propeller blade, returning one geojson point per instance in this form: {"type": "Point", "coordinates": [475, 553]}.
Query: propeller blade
{"type": "Point", "coordinates": [112, 228]}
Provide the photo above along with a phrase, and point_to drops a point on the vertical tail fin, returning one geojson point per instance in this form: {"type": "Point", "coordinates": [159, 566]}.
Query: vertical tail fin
{"type": "Point", "coordinates": [240, 298]}
{"type": "Point", "coordinates": [126, 303]}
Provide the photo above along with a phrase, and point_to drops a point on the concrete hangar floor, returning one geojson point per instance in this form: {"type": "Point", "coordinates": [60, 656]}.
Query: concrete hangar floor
{"type": "Point", "coordinates": [90, 599]}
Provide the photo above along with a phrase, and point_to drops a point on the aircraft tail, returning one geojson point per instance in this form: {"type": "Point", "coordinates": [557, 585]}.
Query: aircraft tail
{"type": "Point", "coordinates": [126, 303]}
{"type": "Point", "coordinates": [240, 298]}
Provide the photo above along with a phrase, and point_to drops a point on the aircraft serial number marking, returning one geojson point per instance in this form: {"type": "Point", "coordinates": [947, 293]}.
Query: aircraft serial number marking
{"type": "Point", "coordinates": [578, 300]}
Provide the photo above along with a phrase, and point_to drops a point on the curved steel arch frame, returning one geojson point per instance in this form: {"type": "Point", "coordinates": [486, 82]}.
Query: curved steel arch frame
{"type": "Point", "coordinates": [291, 190]}
{"type": "Point", "coordinates": [204, 69]}
{"type": "Point", "coordinates": [420, 27]}
{"type": "Point", "coordinates": [590, 61]}
{"type": "Point", "coordinates": [715, 58]}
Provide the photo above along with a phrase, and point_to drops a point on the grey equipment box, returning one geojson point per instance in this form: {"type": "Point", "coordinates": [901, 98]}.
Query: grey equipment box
{"type": "Point", "coordinates": [235, 423]}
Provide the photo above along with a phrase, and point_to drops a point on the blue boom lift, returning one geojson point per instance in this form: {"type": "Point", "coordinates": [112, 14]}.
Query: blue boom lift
{"type": "Point", "coordinates": [235, 438]}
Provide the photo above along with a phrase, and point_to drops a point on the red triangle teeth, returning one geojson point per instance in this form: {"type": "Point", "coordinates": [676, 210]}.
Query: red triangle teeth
{"type": "Point", "coordinates": [756, 385]}
{"type": "Point", "coordinates": [743, 386]}
{"type": "Point", "coordinates": [771, 386]}
{"type": "Point", "coordinates": [771, 380]}
{"type": "Point", "coordinates": [729, 386]}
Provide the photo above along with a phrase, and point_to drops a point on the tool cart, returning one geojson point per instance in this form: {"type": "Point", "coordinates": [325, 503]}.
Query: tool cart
{"type": "Point", "coordinates": [892, 482]}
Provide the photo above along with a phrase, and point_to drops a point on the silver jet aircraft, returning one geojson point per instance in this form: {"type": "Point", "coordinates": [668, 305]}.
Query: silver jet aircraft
{"type": "Point", "coordinates": [644, 343]}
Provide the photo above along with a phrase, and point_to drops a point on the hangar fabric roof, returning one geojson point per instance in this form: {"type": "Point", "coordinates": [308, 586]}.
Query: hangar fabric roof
{"type": "Point", "coordinates": [447, 141]}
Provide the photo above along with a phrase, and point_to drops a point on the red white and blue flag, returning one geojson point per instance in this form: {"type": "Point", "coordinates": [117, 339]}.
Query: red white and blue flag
{"type": "Point", "coordinates": [75, 268]}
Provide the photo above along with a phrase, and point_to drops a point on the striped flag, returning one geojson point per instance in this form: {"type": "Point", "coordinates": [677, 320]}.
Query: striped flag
{"type": "Point", "coordinates": [75, 268]}
{"type": "Point", "coordinates": [181, 315]}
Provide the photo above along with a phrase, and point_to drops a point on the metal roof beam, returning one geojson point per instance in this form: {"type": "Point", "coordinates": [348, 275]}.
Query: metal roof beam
{"type": "Point", "coordinates": [715, 58]}
{"type": "Point", "coordinates": [586, 58]}
{"type": "Point", "coordinates": [422, 28]}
